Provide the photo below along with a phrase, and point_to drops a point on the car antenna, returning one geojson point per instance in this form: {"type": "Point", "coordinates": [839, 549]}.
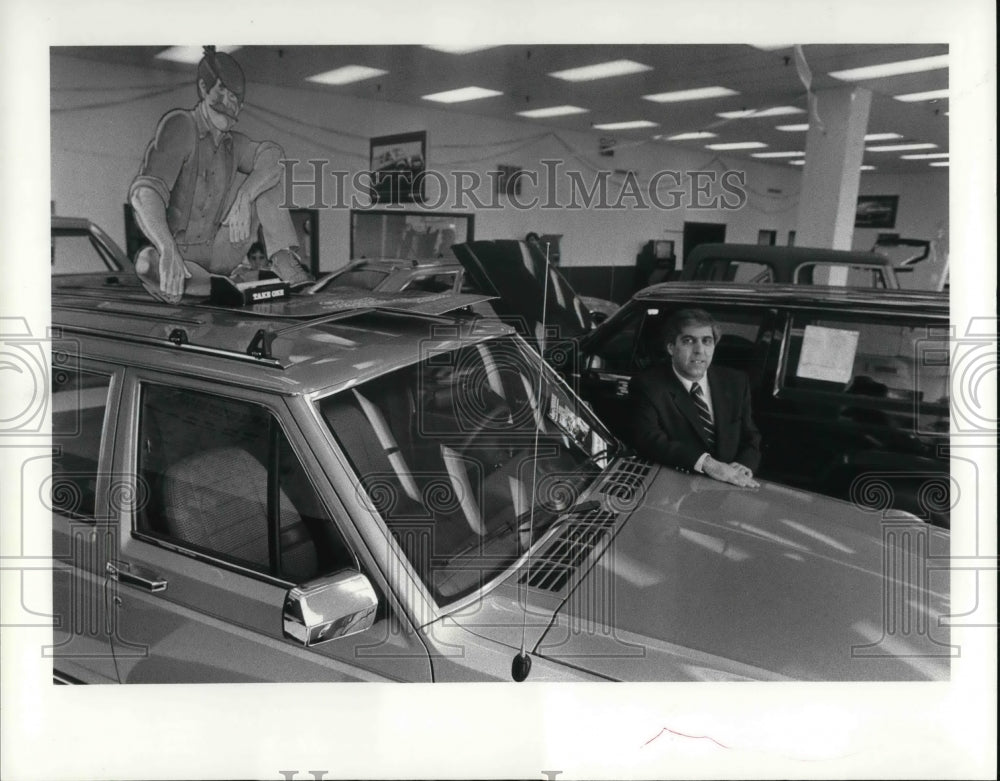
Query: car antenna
{"type": "Point", "coordinates": [520, 667]}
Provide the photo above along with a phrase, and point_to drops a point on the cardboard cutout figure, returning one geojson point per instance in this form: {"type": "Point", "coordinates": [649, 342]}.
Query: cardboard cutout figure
{"type": "Point", "coordinates": [203, 190]}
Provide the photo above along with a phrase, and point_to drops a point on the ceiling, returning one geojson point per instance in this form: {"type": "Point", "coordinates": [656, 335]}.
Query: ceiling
{"type": "Point", "coordinates": [763, 79]}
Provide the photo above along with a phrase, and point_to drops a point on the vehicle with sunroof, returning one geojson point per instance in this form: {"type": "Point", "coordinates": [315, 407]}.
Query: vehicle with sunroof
{"type": "Point", "coordinates": [265, 486]}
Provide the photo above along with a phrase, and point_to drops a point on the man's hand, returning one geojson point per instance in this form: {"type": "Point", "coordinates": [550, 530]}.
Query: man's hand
{"type": "Point", "coordinates": [173, 272]}
{"type": "Point", "coordinates": [734, 473]}
{"type": "Point", "coordinates": [238, 218]}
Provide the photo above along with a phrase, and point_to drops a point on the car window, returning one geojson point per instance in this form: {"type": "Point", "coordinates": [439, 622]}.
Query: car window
{"type": "Point", "coordinates": [361, 278]}
{"type": "Point", "coordinates": [79, 405]}
{"type": "Point", "coordinates": [225, 482]}
{"type": "Point", "coordinates": [839, 275]}
{"type": "Point", "coordinates": [432, 283]}
{"type": "Point", "coordinates": [724, 270]}
{"type": "Point", "coordinates": [77, 252]}
{"type": "Point", "coordinates": [902, 361]}
{"type": "Point", "coordinates": [637, 344]}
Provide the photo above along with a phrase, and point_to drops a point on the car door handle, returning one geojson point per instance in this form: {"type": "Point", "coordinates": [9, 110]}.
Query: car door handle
{"type": "Point", "coordinates": [136, 576]}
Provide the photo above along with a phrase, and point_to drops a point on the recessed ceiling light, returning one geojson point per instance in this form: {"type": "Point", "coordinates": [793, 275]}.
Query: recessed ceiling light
{"type": "Point", "coordinates": [796, 162]}
{"type": "Point", "coordinates": [881, 136]}
{"type": "Point", "coordinates": [190, 54]}
{"type": "Point", "coordinates": [778, 154]}
{"type": "Point", "coordinates": [899, 147]}
{"type": "Point", "coordinates": [629, 125]}
{"type": "Point", "coordinates": [601, 70]}
{"type": "Point", "coordinates": [774, 111]}
{"type": "Point", "coordinates": [892, 68]}
{"type": "Point", "coordinates": [736, 145]}
{"type": "Point", "coordinates": [928, 156]}
{"type": "Point", "coordinates": [462, 94]}
{"type": "Point", "coordinates": [346, 75]}
{"type": "Point", "coordinates": [940, 164]}
{"type": "Point", "coordinates": [552, 111]}
{"type": "Point", "coordinates": [793, 128]}
{"type": "Point", "coordinates": [916, 97]}
{"type": "Point", "coordinates": [691, 94]}
{"type": "Point", "coordinates": [687, 136]}
{"type": "Point", "coordinates": [867, 168]}
{"type": "Point", "coordinates": [457, 48]}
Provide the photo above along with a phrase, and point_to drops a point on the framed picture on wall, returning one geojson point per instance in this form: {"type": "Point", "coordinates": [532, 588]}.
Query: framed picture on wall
{"type": "Point", "coordinates": [415, 235]}
{"type": "Point", "coordinates": [508, 180]}
{"type": "Point", "coordinates": [397, 164]}
{"type": "Point", "coordinates": [767, 238]}
{"type": "Point", "coordinates": [876, 211]}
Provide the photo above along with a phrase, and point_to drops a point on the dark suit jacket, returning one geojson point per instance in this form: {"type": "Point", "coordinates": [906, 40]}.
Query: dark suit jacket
{"type": "Point", "coordinates": [666, 424]}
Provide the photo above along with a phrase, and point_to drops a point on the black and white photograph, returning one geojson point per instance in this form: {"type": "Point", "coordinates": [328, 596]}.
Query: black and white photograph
{"type": "Point", "coordinates": [615, 418]}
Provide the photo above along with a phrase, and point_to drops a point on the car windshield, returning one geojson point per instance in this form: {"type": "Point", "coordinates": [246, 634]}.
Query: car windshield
{"type": "Point", "coordinates": [466, 455]}
{"type": "Point", "coordinates": [77, 251]}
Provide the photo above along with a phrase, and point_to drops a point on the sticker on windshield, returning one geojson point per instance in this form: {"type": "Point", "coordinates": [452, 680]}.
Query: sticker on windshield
{"type": "Point", "coordinates": [827, 354]}
{"type": "Point", "coordinates": [567, 420]}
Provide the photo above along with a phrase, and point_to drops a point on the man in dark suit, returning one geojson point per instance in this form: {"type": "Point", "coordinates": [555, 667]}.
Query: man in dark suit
{"type": "Point", "coordinates": [691, 415]}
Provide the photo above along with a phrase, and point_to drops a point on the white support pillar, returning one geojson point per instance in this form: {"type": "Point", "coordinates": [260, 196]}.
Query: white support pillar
{"type": "Point", "coordinates": [829, 195]}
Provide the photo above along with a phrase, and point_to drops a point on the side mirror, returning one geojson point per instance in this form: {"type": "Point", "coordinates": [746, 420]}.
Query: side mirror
{"type": "Point", "coordinates": [330, 607]}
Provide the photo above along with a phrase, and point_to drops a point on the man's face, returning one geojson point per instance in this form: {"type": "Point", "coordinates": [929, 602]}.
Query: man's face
{"type": "Point", "coordinates": [691, 352]}
{"type": "Point", "coordinates": [223, 105]}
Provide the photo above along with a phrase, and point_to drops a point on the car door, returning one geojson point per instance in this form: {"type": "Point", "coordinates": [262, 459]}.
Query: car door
{"type": "Point", "coordinates": [84, 397]}
{"type": "Point", "coordinates": [859, 409]}
{"type": "Point", "coordinates": [229, 514]}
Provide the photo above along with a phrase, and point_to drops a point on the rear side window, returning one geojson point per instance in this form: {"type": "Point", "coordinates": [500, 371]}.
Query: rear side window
{"type": "Point", "coordinates": [79, 405]}
{"type": "Point", "coordinates": [76, 252]}
{"type": "Point", "coordinates": [723, 270]}
{"type": "Point", "coordinates": [840, 276]}
{"type": "Point", "coordinates": [901, 361]}
{"type": "Point", "coordinates": [225, 482]}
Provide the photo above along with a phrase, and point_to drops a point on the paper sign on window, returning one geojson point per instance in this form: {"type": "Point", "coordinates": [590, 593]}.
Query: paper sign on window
{"type": "Point", "coordinates": [827, 354]}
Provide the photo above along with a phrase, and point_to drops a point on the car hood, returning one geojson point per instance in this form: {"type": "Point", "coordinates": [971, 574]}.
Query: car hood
{"type": "Point", "coordinates": [705, 581]}
{"type": "Point", "coordinates": [516, 272]}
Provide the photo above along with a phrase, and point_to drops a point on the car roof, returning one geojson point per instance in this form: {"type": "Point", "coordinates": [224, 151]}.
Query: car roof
{"type": "Point", "coordinates": [786, 257]}
{"type": "Point", "coordinates": [720, 293]}
{"type": "Point", "coordinates": [302, 346]}
{"type": "Point", "coordinates": [71, 223]}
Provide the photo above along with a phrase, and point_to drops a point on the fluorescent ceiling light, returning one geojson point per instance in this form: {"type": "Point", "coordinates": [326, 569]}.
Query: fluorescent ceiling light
{"type": "Point", "coordinates": [881, 136]}
{"type": "Point", "coordinates": [552, 111]}
{"type": "Point", "coordinates": [190, 54]}
{"type": "Point", "coordinates": [778, 154]}
{"type": "Point", "coordinates": [691, 94]}
{"type": "Point", "coordinates": [630, 125]}
{"type": "Point", "coordinates": [462, 94]}
{"type": "Point", "coordinates": [457, 48]}
{"type": "Point", "coordinates": [899, 147]}
{"type": "Point", "coordinates": [916, 97]}
{"type": "Point", "coordinates": [796, 162]}
{"type": "Point", "coordinates": [892, 68]}
{"type": "Point", "coordinates": [940, 164]}
{"type": "Point", "coordinates": [601, 70]}
{"type": "Point", "coordinates": [346, 75]}
{"type": "Point", "coordinates": [928, 156]}
{"type": "Point", "coordinates": [867, 168]}
{"type": "Point", "coordinates": [770, 47]}
{"type": "Point", "coordinates": [793, 128]}
{"type": "Point", "coordinates": [687, 136]}
{"type": "Point", "coordinates": [774, 111]}
{"type": "Point", "coordinates": [736, 145]}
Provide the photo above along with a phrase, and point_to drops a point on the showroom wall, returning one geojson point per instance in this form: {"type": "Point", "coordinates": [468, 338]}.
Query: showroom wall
{"type": "Point", "coordinates": [103, 116]}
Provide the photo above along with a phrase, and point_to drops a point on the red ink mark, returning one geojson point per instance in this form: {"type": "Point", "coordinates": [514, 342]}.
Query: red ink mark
{"type": "Point", "coordinates": [683, 735]}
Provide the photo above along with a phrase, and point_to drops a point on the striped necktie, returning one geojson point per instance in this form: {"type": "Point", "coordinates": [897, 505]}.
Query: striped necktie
{"type": "Point", "coordinates": [706, 417]}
